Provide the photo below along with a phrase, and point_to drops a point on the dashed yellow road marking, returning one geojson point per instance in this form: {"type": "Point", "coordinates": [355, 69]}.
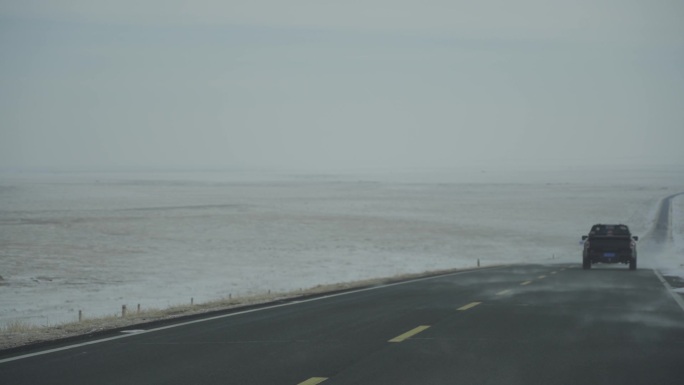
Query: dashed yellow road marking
{"type": "Point", "coordinates": [541, 277]}
{"type": "Point", "coordinates": [504, 292]}
{"type": "Point", "coordinates": [409, 334]}
{"type": "Point", "coordinates": [554, 272]}
{"type": "Point", "coordinates": [313, 381]}
{"type": "Point", "coordinates": [525, 283]}
{"type": "Point", "coordinates": [469, 306]}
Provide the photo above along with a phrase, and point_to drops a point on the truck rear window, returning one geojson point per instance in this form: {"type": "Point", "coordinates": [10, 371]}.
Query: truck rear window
{"type": "Point", "coordinates": [609, 230]}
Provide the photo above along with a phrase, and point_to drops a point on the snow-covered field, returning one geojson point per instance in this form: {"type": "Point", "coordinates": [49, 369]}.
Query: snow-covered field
{"type": "Point", "coordinates": [92, 242]}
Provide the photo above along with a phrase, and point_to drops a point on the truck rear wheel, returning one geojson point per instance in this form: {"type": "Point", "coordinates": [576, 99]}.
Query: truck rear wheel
{"type": "Point", "coordinates": [586, 264]}
{"type": "Point", "coordinates": [632, 264]}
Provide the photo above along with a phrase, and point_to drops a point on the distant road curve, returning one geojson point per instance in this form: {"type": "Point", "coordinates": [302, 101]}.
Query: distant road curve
{"type": "Point", "coordinates": [662, 226]}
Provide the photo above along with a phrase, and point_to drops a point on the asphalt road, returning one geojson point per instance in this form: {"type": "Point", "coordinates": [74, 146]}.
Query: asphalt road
{"type": "Point", "coordinates": [537, 324]}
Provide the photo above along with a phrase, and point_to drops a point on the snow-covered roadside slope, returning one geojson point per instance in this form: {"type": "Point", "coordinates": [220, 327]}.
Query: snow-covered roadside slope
{"type": "Point", "coordinates": [671, 262]}
{"type": "Point", "coordinates": [94, 242]}
{"type": "Point", "coordinates": [678, 229]}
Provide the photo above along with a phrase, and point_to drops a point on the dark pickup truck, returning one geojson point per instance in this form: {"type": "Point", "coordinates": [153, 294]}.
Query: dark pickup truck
{"type": "Point", "coordinates": [609, 244]}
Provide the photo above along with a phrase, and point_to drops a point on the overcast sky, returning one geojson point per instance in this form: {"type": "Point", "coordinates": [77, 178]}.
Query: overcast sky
{"type": "Point", "coordinates": [332, 84]}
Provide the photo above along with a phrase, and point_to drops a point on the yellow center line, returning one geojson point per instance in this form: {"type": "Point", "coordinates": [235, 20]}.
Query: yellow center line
{"type": "Point", "coordinates": [553, 272]}
{"type": "Point", "coordinates": [503, 292]}
{"type": "Point", "coordinates": [469, 306]}
{"type": "Point", "coordinates": [525, 283]}
{"type": "Point", "coordinates": [541, 277]}
{"type": "Point", "coordinates": [409, 334]}
{"type": "Point", "coordinates": [313, 381]}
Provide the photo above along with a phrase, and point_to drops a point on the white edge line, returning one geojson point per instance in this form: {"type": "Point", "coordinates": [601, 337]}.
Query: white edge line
{"type": "Point", "coordinates": [669, 288]}
{"type": "Point", "coordinates": [2, 361]}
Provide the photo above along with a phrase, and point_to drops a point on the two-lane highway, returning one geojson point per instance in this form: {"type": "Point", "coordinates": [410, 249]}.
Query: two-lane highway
{"type": "Point", "coordinates": [531, 324]}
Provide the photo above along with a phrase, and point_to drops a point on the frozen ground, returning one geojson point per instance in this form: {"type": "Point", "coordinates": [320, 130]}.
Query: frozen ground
{"type": "Point", "coordinates": [92, 242]}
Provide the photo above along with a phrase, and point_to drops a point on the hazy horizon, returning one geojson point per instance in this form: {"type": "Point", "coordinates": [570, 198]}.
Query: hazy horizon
{"type": "Point", "coordinates": [339, 85]}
